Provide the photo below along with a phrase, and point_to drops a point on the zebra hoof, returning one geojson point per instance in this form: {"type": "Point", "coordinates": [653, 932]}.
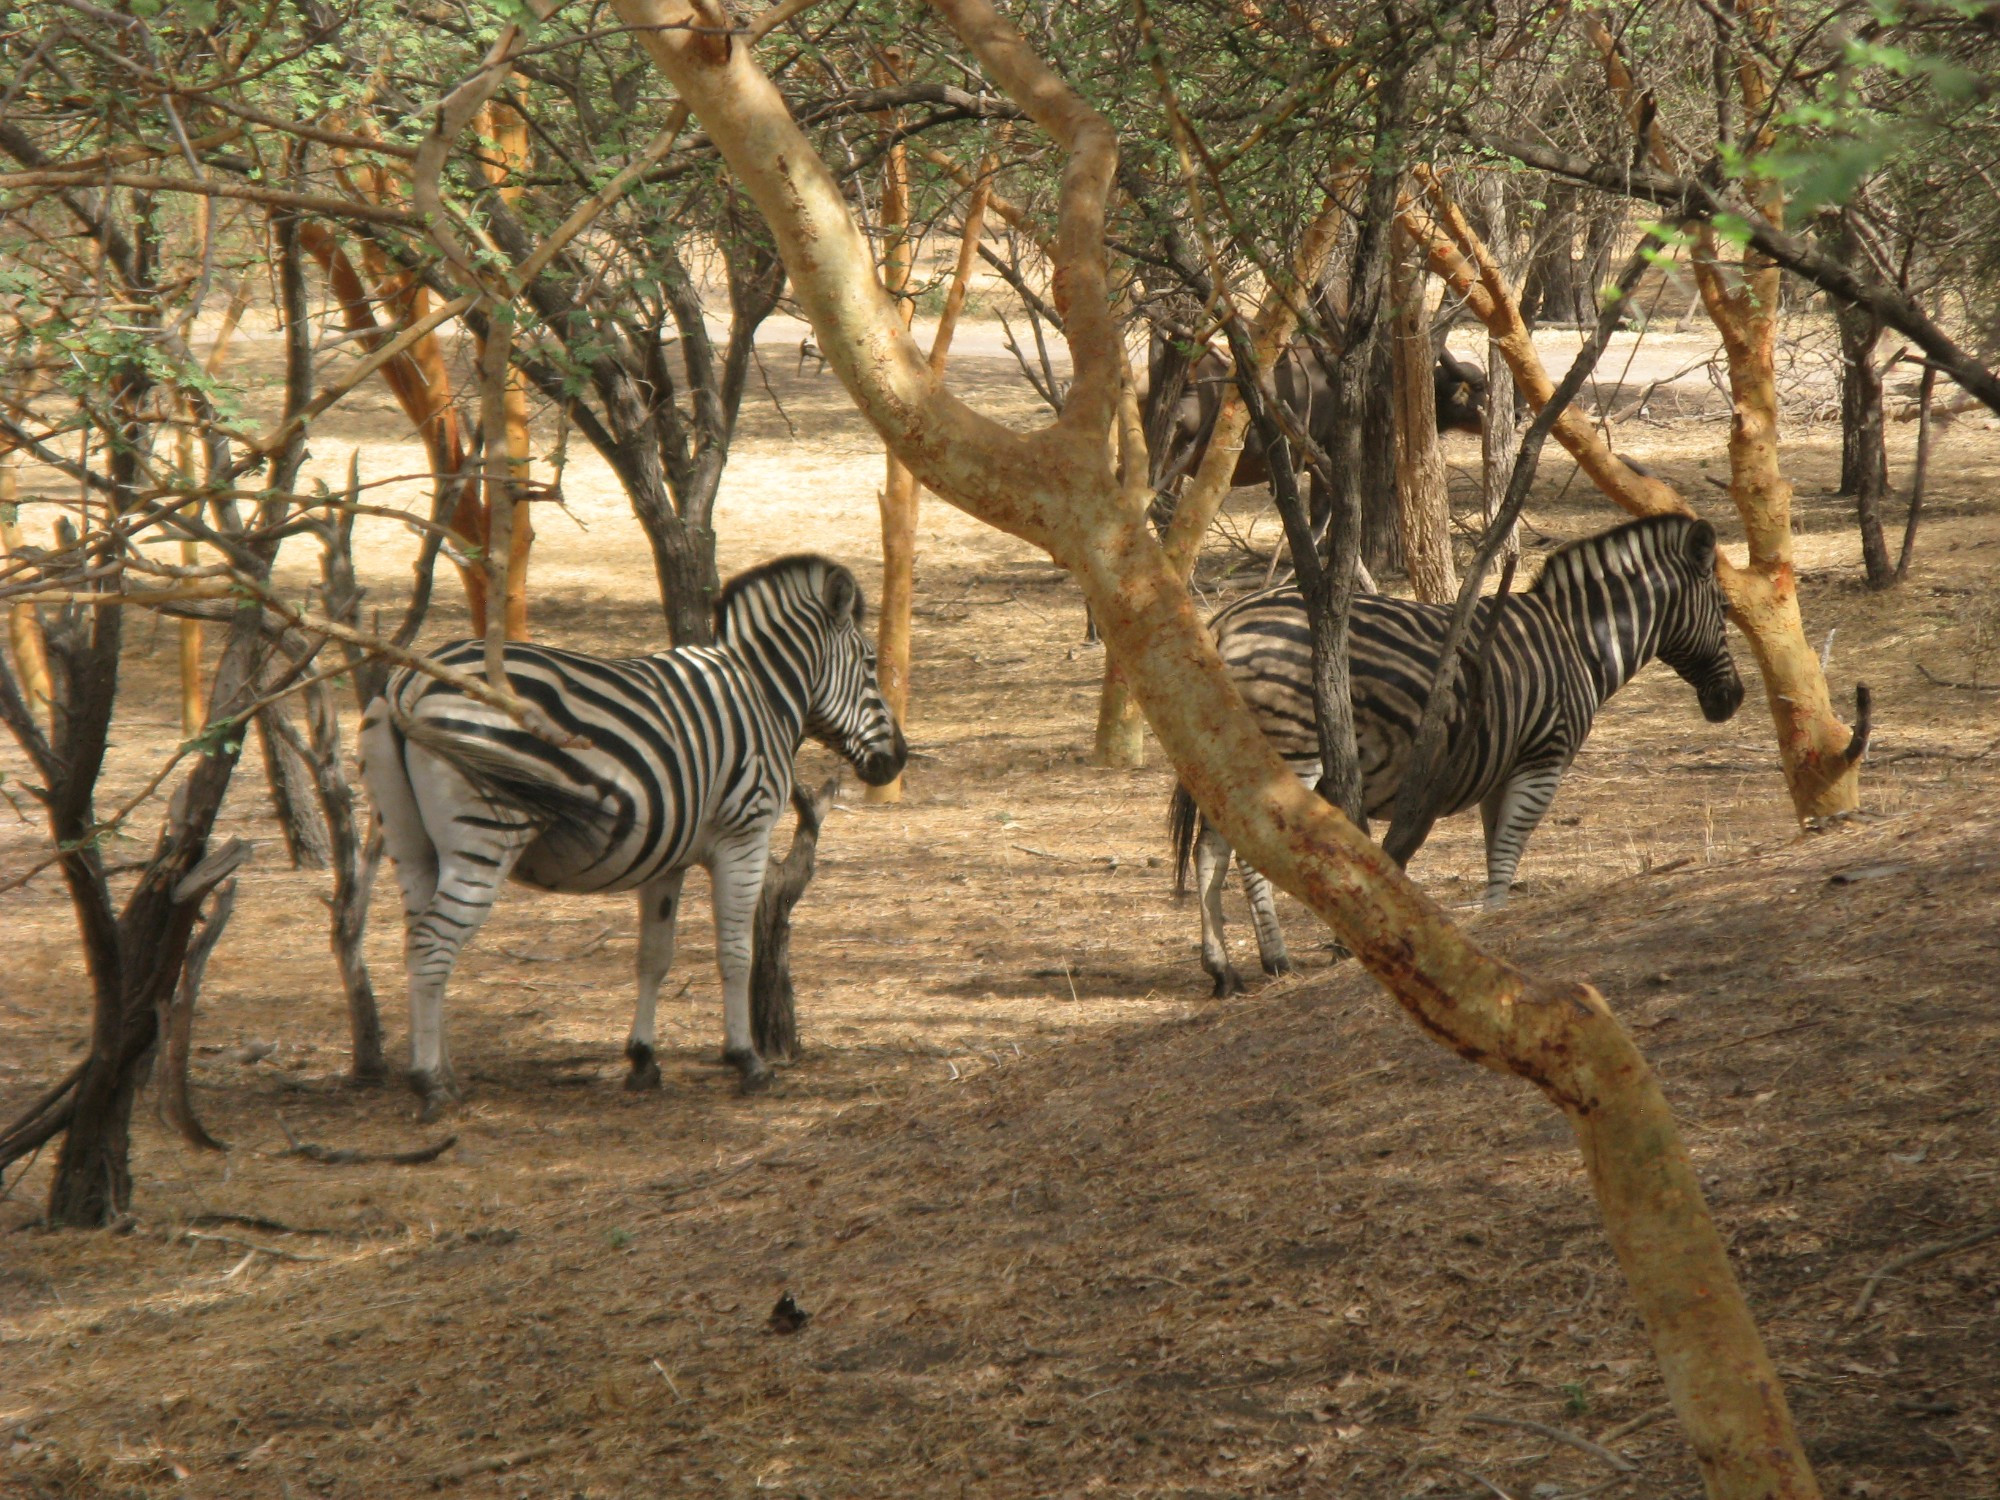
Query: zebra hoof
{"type": "Point", "coordinates": [757, 1074]}
{"type": "Point", "coordinates": [645, 1074]}
{"type": "Point", "coordinates": [1276, 966]}
{"type": "Point", "coordinates": [436, 1093]}
{"type": "Point", "coordinates": [1227, 982]}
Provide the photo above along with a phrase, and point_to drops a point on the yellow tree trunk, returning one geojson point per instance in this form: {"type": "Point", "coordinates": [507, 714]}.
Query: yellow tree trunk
{"type": "Point", "coordinates": [507, 128]}
{"type": "Point", "coordinates": [899, 497]}
{"type": "Point", "coordinates": [24, 625]}
{"type": "Point", "coordinates": [1420, 473]}
{"type": "Point", "coordinates": [1816, 750]}
{"type": "Point", "coordinates": [1057, 487]}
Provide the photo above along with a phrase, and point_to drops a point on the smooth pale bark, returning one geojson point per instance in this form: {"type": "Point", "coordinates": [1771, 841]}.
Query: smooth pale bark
{"type": "Point", "coordinates": [900, 495]}
{"type": "Point", "coordinates": [1056, 487]}
{"type": "Point", "coordinates": [893, 631]}
{"type": "Point", "coordinates": [507, 128]}
{"type": "Point", "coordinates": [1813, 743]}
{"type": "Point", "coordinates": [24, 624]}
{"type": "Point", "coordinates": [1820, 754]}
{"type": "Point", "coordinates": [1420, 473]}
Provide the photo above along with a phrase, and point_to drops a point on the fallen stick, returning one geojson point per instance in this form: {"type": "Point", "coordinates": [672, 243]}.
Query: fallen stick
{"type": "Point", "coordinates": [251, 1247]}
{"type": "Point", "coordinates": [344, 1156]}
{"type": "Point", "coordinates": [1918, 1257]}
{"type": "Point", "coordinates": [494, 1465]}
{"type": "Point", "coordinates": [252, 1221]}
{"type": "Point", "coordinates": [1557, 1434]}
{"type": "Point", "coordinates": [1946, 682]}
{"type": "Point", "coordinates": [1645, 1418]}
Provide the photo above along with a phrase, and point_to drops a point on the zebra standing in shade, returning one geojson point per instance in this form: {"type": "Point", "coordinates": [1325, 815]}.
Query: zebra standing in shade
{"type": "Point", "coordinates": [685, 758]}
{"type": "Point", "coordinates": [1602, 608]}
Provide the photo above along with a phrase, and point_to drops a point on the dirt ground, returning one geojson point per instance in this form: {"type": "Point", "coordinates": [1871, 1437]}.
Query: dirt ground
{"type": "Point", "coordinates": [1063, 1225]}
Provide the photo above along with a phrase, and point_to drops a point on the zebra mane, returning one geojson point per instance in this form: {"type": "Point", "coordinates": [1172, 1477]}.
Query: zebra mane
{"type": "Point", "coordinates": [801, 563]}
{"type": "Point", "coordinates": [1553, 564]}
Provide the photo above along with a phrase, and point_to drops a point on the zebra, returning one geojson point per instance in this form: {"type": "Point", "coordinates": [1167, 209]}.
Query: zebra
{"type": "Point", "coordinates": [685, 759]}
{"type": "Point", "coordinates": [1602, 608]}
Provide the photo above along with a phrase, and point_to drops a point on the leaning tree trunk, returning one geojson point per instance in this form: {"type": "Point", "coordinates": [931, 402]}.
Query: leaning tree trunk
{"type": "Point", "coordinates": [177, 1026]}
{"type": "Point", "coordinates": [1817, 751]}
{"type": "Point", "coordinates": [1056, 488]}
{"type": "Point", "coordinates": [291, 786]}
{"type": "Point", "coordinates": [1420, 471]}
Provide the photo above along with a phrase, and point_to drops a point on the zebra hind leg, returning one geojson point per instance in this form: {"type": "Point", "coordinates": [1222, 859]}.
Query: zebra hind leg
{"type": "Point", "coordinates": [659, 907]}
{"type": "Point", "coordinates": [1264, 917]}
{"type": "Point", "coordinates": [1211, 874]}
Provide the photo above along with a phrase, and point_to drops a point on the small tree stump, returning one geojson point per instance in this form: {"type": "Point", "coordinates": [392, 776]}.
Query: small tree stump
{"type": "Point", "coordinates": [774, 1027]}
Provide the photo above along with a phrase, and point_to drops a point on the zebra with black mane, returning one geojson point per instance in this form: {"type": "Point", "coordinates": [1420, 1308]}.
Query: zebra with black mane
{"type": "Point", "coordinates": [1602, 608]}
{"type": "Point", "coordinates": [677, 759]}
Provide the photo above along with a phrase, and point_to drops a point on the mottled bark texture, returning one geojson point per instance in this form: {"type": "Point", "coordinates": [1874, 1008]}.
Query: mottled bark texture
{"type": "Point", "coordinates": [1057, 488]}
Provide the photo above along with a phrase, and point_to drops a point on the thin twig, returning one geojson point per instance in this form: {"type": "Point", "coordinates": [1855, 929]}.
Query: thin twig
{"type": "Point", "coordinates": [1556, 1434]}
{"type": "Point", "coordinates": [1918, 1257]}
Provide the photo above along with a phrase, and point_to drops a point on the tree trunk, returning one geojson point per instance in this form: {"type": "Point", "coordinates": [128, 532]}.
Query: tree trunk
{"type": "Point", "coordinates": [1818, 753]}
{"type": "Point", "coordinates": [177, 1026]}
{"type": "Point", "coordinates": [1375, 456]}
{"type": "Point", "coordinates": [1054, 487]}
{"type": "Point", "coordinates": [290, 783]}
{"type": "Point", "coordinates": [509, 158]}
{"type": "Point", "coordinates": [684, 563]}
{"type": "Point", "coordinates": [1420, 472]}
{"type": "Point", "coordinates": [24, 622]}
{"type": "Point", "coordinates": [774, 1025]}
{"type": "Point", "coordinates": [1864, 455]}
{"type": "Point", "coordinates": [1498, 427]}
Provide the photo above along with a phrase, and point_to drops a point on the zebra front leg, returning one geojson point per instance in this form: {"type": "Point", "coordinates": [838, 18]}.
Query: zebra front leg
{"type": "Point", "coordinates": [1511, 812]}
{"type": "Point", "coordinates": [1211, 874]}
{"type": "Point", "coordinates": [1264, 917]}
{"type": "Point", "coordinates": [736, 879]}
{"type": "Point", "coordinates": [659, 908]}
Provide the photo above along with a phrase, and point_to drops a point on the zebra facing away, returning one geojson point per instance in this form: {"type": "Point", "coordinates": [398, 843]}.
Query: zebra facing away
{"type": "Point", "coordinates": [1602, 608]}
{"type": "Point", "coordinates": [686, 760]}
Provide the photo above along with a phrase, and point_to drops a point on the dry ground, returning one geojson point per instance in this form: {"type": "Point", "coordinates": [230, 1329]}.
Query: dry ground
{"type": "Point", "coordinates": [1063, 1225]}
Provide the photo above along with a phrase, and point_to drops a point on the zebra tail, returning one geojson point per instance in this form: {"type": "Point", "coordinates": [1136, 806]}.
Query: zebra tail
{"type": "Point", "coordinates": [1183, 823]}
{"type": "Point", "coordinates": [503, 780]}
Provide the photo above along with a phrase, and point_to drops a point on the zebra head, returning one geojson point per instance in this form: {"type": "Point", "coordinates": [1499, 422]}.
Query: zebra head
{"type": "Point", "coordinates": [1693, 638]}
{"type": "Point", "coordinates": [800, 619]}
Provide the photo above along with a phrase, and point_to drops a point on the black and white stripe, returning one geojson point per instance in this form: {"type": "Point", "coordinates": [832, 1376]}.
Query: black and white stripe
{"type": "Point", "coordinates": [684, 758]}
{"type": "Point", "coordinates": [1602, 608]}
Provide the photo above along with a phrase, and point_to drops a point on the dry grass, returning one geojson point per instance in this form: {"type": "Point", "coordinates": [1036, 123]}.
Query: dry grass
{"type": "Point", "coordinates": [1063, 1226]}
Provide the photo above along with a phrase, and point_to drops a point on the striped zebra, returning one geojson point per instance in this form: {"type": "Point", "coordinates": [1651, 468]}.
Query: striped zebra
{"type": "Point", "coordinates": [1602, 608]}
{"type": "Point", "coordinates": [686, 759]}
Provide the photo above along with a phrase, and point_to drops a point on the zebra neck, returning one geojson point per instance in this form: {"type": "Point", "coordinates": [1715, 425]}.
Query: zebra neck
{"type": "Point", "coordinates": [1616, 627]}
{"type": "Point", "coordinates": [779, 673]}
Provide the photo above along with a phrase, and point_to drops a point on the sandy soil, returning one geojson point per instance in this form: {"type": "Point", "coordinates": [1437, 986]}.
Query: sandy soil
{"type": "Point", "coordinates": [1064, 1226]}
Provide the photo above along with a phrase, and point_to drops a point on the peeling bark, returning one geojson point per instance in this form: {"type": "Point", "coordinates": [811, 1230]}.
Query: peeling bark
{"type": "Point", "coordinates": [1056, 488]}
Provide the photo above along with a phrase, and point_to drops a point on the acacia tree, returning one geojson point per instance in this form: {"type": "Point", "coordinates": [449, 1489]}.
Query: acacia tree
{"type": "Point", "coordinates": [1063, 488]}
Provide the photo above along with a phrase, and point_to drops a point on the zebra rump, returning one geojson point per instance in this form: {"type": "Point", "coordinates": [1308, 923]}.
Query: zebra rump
{"type": "Point", "coordinates": [565, 814]}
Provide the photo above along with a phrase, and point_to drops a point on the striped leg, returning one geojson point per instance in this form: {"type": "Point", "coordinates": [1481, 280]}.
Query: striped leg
{"type": "Point", "coordinates": [659, 908]}
{"type": "Point", "coordinates": [1510, 813]}
{"type": "Point", "coordinates": [736, 879]}
{"type": "Point", "coordinates": [1211, 874]}
{"type": "Point", "coordinates": [1264, 916]}
{"type": "Point", "coordinates": [477, 845]}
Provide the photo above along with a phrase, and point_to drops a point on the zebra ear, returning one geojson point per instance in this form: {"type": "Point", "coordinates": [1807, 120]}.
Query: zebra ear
{"type": "Point", "coordinates": [843, 595]}
{"type": "Point", "coordinates": [1700, 543]}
